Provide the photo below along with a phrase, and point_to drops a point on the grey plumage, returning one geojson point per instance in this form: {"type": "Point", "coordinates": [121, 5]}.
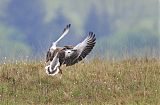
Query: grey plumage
{"type": "Point", "coordinates": [68, 55]}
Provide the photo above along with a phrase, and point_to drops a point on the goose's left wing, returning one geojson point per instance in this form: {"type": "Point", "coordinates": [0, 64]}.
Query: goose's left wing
{"type": "Point", "coordinates": [81, 50]}
{"type": "Point", "coordinates": [49, 55]}
{"type": "Point", "coordinates": [64, 33]}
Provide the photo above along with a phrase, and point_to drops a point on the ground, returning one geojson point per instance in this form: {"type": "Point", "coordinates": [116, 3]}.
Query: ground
{"type": "Point", "coordinates": [126, 82]}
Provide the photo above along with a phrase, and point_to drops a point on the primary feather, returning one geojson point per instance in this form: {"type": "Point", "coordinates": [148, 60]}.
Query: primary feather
{"type": "Point", "coordinates": [81, 50]}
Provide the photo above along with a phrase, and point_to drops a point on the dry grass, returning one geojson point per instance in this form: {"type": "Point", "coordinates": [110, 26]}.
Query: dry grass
{"type": "Point", "coordinates": [128, 82]}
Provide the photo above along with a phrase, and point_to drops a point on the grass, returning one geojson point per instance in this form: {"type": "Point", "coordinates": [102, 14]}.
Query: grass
{"type": "Point", "coordinates": [128, 82]}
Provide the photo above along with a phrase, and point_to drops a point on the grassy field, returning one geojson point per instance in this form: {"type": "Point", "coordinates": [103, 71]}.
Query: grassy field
{"type": "Point", "coordinates": [128, 82]}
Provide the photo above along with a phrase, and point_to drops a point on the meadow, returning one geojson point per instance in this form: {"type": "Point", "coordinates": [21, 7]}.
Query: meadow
{"type": "Point", "coordinates": [97, 82]}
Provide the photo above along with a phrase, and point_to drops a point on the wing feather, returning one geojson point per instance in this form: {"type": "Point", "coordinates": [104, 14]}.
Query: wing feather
{"type": "Point", "coordinates": [64, 33]}
{"type": "Point", "coordinates": [81, 50]}
{"type": "Point", "coordinates": [50, 53]}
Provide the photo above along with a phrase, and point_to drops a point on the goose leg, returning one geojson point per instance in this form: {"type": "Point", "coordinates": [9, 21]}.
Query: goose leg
{"type": "Point", "coordinates": [60, 70]}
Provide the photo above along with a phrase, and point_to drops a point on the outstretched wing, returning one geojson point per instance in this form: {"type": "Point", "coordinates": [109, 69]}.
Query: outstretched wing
{"type": "Point", "coordinates": [81, 50]}
{"type": "Point", "coordinates": [50, 54]}
{"type": "Point", "coordinates": [64, 33]}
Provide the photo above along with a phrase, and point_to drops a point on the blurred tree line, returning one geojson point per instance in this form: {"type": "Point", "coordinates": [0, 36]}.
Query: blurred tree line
{"type": "Point", "coordinates": [121, 26]}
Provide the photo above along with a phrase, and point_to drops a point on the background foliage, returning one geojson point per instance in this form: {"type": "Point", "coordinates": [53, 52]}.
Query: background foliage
{"type": "Point", "coordinates": [28, 27]}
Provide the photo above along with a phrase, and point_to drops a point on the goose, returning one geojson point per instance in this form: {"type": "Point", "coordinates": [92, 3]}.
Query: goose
{"type": "Point", "coordinates": [69, 55]}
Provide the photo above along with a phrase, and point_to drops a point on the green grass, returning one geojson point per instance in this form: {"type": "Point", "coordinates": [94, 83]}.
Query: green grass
{"type": "Point", "coordinates": [129, 82]}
